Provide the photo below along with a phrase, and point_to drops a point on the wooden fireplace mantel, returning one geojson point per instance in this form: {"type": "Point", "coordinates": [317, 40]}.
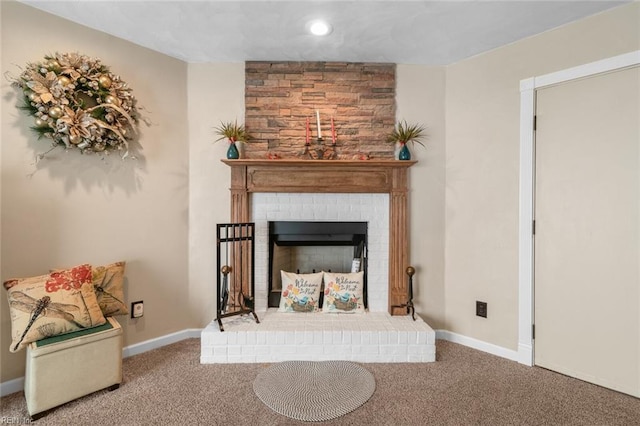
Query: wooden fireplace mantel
{"type": "Point", "coordinates": [334, 176]}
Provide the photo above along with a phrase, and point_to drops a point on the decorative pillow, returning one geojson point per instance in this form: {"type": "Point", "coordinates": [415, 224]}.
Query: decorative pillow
{"type": "Point", "coordinates": [108, 283]}
{"type": "Point", "coordinates": [300, 292]}
{"type": "Point", "coordinates": [52, 304]}
{"type": "Point", "coordinates": [343, 293]}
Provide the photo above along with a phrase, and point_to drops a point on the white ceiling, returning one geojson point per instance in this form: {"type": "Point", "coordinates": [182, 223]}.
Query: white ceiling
{"type": "Point", "coordinates": [407, 32]}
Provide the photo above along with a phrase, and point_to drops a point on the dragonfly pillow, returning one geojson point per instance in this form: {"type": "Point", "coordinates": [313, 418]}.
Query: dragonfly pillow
{"type": "Point", "coordinates": [300, 292]}
{"type": "Point", "coordinates": [47, 305]}
{"type": "Point", "coordinates": [108, 283]}
{"type": "Point", "coordinates": [343, 293]}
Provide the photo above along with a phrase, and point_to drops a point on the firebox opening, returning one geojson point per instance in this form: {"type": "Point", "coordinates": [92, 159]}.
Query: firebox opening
{"type": "Point", "coordinates": [307, 247]}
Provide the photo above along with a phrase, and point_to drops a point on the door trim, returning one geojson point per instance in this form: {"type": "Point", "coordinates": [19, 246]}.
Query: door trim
{"type": "Point", "coordinates": [528, 89]}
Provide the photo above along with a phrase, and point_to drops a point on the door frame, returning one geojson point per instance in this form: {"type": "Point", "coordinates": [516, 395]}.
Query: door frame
{"type": "Point", "coordinates": [528, 89]}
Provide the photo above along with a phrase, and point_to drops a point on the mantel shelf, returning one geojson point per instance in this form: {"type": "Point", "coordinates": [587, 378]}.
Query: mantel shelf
{"type": "Point", "coordinates": [320, 163]}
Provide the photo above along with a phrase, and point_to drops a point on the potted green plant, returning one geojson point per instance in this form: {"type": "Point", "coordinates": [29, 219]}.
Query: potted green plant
{"type": "Point", "coordinates": [402, 134]}
{"type": "Point", "coordinates": [233, 132]}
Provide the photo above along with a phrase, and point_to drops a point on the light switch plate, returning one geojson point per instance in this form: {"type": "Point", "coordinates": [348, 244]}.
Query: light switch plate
{"type": "Point", "coordinates": [137, 309]}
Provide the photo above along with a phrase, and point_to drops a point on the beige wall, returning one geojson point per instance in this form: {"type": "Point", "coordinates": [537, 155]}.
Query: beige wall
{"type": "Point", "coordinates": [421, 99]}
{"type": "Point", "coordinates": [76, 209]}
{"type": "Point", "coordinates": [216, 92]}
{"type": "Point", "coordinates": [482, 131]}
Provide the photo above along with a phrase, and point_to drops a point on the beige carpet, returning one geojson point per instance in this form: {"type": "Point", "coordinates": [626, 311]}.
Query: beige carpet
{"type": "Point", "coordinates": [169, 386]}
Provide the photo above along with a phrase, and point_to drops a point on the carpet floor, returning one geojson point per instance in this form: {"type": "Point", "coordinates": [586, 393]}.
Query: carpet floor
{"type": "Point", "coordinates": [169, 386]}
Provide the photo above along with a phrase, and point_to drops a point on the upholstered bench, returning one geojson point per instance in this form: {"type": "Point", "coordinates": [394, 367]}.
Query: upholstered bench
{"type": "Point", "coordinates": [63, 368]}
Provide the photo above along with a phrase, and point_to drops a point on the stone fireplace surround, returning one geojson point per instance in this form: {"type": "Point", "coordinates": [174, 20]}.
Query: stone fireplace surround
{"type": "Point", "coordinates": [371, 191]}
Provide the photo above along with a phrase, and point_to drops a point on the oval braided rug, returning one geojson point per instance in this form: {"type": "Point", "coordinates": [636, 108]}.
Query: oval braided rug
{"type": "Point", "coordinates": [314, 390]}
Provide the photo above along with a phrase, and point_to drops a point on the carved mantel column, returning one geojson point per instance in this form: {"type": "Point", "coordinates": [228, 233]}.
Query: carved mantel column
{"type": "Point", "coordinates": [398, 241]}
{"type": "Point", "coordinates": [334, 176]}
{"type": "Point", "coordinates": [240, 212]}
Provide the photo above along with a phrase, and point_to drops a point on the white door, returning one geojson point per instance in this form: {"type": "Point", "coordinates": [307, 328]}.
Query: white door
{"type": "Point", "coordinates": [587, 237]}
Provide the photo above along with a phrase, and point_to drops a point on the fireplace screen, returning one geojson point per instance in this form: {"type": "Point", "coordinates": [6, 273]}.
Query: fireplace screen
{"type": "Point", "coordinates": [308, 247]}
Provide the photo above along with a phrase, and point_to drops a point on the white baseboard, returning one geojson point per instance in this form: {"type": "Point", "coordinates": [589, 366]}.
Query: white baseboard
{"type": "Point", "coordinates": [11, 386]}
{"type": "Point", "coordinates": [161, 341]}
{"type": "Point", "coordinates": [17, 385]}
{"type": "Point", "coordinates": [477, 344]}
{"type": "Point", "coordinates": [525, 354]}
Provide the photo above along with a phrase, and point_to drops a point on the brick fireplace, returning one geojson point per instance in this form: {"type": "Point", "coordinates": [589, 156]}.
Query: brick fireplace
{"type": "Point", "coordinates": [345, 177]}
{"type": "Point", "coordinates": [373, 191]}
{"type": "Point", "coordinates": [372, 209]}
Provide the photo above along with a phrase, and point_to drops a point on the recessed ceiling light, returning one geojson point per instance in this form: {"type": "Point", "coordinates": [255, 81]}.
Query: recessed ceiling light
{"type": "Point", "coordinates": [319, 27]}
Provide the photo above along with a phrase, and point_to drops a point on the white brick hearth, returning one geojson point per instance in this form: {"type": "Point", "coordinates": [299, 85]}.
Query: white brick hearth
{"type": "Point", "coordinates": [375, 336]}
{"type": "Point", "coordinates": [369, 337]}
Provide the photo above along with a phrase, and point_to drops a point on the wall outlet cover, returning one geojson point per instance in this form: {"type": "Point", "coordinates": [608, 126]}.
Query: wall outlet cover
{"type": "Point", "coordinates": [137, 309]}
{"type": "Point", "coordinates": [481, 309]}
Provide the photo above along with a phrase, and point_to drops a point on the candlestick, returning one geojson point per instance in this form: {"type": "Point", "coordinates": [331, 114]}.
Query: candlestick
{"type": "Point", "coordinates": [333, 132]}
{"type": "Point", "coordinates": [318, 122]}
{"type": "Point", "coordinates": [308, 135]}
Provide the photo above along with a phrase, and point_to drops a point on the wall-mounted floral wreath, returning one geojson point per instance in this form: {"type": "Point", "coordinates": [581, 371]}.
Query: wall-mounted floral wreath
{"type": "Point", "coordinates": [78, 103]}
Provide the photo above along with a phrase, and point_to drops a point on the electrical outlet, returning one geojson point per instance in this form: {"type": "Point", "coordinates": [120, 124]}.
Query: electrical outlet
{"type": "Point", "coordinates": [137, 309]}
{"type": "Point", "coordinates": [481, 309]}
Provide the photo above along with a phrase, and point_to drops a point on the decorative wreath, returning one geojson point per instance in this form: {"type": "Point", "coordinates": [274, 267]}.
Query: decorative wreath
{"type": "Point", "coordinates": [77, 102]}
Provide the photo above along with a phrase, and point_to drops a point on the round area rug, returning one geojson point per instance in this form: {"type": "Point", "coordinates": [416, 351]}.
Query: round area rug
{"type": "Point", "coordinates": [314, 391]}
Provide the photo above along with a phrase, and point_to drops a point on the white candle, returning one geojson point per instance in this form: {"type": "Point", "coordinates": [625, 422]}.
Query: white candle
{"type": "Point", "coordinates": [318, 120]}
